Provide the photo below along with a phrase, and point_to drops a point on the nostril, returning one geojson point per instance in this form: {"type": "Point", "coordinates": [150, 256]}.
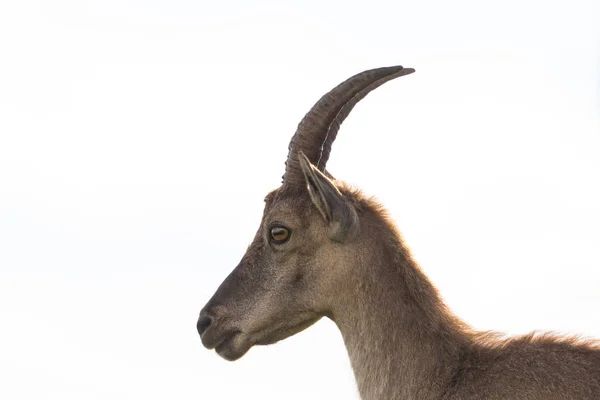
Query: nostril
{"type": "Point", "coordinates": [203, 323]}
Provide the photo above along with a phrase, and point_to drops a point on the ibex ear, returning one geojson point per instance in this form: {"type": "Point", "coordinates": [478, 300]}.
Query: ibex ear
{"type": "Point", "coordinates": [332, 205]}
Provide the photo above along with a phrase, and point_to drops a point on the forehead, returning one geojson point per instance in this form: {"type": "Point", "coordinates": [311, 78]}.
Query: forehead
{"type": "Point", "coordinates": [289, 206]}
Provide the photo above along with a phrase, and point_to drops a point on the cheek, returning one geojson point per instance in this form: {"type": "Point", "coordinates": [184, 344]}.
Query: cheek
{"type": "Point", "coordinates": [298, 278]}
{"type": "Point", "coordinates": [306, 280]}
{"type": "Point", "coordinates": [301, 268]}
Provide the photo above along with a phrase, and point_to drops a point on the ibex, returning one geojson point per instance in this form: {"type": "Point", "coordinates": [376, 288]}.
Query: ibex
{"type": "Point", "coordinates": [325, 250]}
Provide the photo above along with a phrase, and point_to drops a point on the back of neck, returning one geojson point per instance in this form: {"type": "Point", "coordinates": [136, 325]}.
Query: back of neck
{"type": "Point", "coordinates": [402, 341]}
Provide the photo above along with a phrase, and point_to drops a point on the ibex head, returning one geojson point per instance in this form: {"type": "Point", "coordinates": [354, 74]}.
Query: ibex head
{"type": "Point", "coordinates": [309, 235]}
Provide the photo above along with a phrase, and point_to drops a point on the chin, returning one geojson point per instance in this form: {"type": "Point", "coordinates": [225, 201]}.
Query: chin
{"type": "Point", "coordinates": [236, 346]}
{"type": "Point", "coordinates": [231, 354]}
{"type": "Point", "coordinates": [285, 332]}
{"type": "Point", "coordinates": [233, 349]}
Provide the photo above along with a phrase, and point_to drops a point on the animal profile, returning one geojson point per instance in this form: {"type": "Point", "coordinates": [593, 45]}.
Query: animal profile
{"type": "Point", "coordinates": [323, 249]}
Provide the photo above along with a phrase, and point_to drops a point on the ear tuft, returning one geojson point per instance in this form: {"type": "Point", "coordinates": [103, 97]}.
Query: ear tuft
{"type": "Point", "coordinates": [333, 207]}
{"type": "Point", "coordinates": [315, 189]}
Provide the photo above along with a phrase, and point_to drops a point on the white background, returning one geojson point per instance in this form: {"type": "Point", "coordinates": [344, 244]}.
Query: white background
{"type": "Point", "coordinates": [138, 139]}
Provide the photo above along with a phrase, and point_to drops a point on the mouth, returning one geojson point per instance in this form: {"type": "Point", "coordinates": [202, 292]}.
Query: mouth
{"type": "Point", "coordinates": [230, 345]}
{"type": "Point", "coordinates": [234, 344]}
{"type": "Point", "coordinates": [233, 347]}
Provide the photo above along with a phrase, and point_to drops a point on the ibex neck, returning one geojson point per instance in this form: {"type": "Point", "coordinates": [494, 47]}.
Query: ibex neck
{"type": "Point", "coordinates": [402, 342]}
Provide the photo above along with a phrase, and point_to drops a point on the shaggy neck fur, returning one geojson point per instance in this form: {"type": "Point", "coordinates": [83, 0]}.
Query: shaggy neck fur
{"type": "Point", "coordinates": [402, 341]}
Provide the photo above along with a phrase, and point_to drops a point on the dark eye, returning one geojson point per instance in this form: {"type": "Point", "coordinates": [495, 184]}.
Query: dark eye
{"type": "Point", "coordinates": [280, 234]}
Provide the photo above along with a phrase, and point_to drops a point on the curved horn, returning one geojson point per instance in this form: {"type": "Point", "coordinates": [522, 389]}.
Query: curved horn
{"type": "Point", "coordinates": [318, 129]}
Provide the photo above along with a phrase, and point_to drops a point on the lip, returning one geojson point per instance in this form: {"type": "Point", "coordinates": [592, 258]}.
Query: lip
{"type": "Point", "coordinates": [212, 339]}
{"type": "Point", "coordinates": [232, 347]}
{"type": "Point", "coordinates": [226, 342]}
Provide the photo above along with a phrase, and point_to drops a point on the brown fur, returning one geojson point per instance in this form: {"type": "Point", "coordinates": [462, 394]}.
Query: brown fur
{"type": "Point", "coordinates": [428, 353]}
{"type": "Point", "coordinates": [402, 341]}
{"type": "Point", "coordinates": [345, 260]}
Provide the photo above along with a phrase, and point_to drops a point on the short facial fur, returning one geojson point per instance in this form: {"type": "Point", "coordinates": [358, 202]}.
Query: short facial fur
{"type": "Point", "coordinates": [278, 290]}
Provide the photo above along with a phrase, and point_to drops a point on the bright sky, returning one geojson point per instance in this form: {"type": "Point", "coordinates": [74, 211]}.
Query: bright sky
{"type": "Point", "coordinates": [138, 139]}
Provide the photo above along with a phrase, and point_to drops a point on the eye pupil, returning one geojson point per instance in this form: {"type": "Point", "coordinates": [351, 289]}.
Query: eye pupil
{"type": "Point", "coordinates": [280, 234]}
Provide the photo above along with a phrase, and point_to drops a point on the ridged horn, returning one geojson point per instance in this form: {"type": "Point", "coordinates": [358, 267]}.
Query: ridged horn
{"type": "Point", "coordinates": [319, 127]}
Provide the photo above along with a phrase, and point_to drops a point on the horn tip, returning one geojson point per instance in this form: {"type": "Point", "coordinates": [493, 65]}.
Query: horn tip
{"type": "Point", "coordinates": [404, 71]}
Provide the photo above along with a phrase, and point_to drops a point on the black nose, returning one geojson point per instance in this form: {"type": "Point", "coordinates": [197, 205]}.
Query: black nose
{"type": "Point", "coordinates": [203, 323]}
